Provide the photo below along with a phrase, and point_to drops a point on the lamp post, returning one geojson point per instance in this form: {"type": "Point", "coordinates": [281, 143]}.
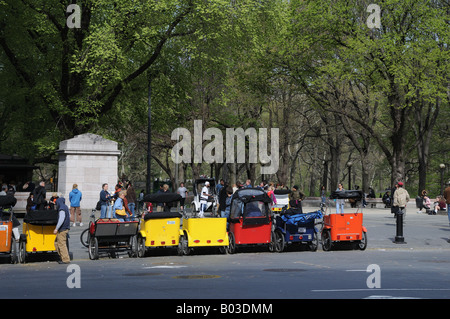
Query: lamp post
{"type": "Point", "coordinates": [349, 164]}
{"type": "Point", "coordinates": [442, 167]}
{"type": "Point", "coordinates": [149, 136]}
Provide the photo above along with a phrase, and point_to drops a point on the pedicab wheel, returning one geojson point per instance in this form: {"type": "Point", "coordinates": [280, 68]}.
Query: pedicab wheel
{"type": "Point", "coordinates": [314, 244]}
{"type": "Point", "coordinates": [362, 245]}
{"type": "Point", "coordinates": [183, 248]}
{"type": "Point", "coordinates": [141, 246]}
{"type": "Point", "coordinates": [22, 251]}
{"type": "Point", "coordinates": [133, 253]}
{"type": "Point", "coordinates": [85, 237]}
{"type": "Point", "coordinates": [13, 253]}
{"type": "Point", "coordinates": [278, 243]}
{"type": "Point", "coordinates": [93, 248]}
{"type": "Point", "coordinates": [231, 244]}
{"type": "Point", "coordinates": [223, 250]}
{"type": "Point", "coordinates": [326, 240]}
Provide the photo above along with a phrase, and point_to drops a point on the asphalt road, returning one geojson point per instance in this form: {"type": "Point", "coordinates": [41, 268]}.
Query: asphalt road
{"type": "Point", "coordinates": [417, 269]}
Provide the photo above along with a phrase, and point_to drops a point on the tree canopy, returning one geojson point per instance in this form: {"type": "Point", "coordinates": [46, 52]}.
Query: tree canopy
{"type": "Point", "coordinates": [343, 92]}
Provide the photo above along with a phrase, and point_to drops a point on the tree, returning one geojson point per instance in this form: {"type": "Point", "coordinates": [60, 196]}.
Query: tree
{"type": "Point", "coordinates": [336, 45]}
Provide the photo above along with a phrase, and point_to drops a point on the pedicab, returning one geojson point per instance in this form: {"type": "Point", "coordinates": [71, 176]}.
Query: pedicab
{"type": "Point", "coordinates": [211, 205]}
{"type": "Point", "coordinates": [8, 245]}
{"type": "Point", "coordinates": [37, 236]}
{"type": "Point", "coordinates": [294, 227]}
{"type": "Point", "coordinates": [203, 232]}
{"type": "Point", "coordinates": [250, 221]}
{"type": "Point", "coordinates": [111, 236]}
{"type": "Point", "coordinates": [282, 200]}
{"type": "Point", "coordinates": [159, 229]}
{"type": "Point", "coordinates": [344, 227]}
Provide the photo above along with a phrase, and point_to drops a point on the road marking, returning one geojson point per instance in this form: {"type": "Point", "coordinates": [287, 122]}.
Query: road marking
{"type": "Point", "coordinates": [169, 267]}
{"type": "Point", "coordinates": [379, 289]}
{"type": "Point", "coordinates": [309, 264]}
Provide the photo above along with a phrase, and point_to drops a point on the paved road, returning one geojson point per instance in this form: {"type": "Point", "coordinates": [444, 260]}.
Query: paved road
{"type": "Point", "coordinates": [418, 269]}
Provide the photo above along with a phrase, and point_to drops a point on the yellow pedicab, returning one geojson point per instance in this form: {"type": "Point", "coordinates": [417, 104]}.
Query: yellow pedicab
{"type": "Point", "coordinates": [159, 229]}
{"type": "Point", "coordinates": [203, 232]}
{"type": "Point", "coordinates": [37, 235]}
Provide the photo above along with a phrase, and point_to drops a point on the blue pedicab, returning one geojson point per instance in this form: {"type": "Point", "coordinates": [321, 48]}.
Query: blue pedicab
{"type": "Point", "coordinates": [292, 226]}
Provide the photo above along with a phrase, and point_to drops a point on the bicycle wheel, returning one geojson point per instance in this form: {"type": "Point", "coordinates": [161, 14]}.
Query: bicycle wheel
{"type": "Point", "coordinates": [85, 237]}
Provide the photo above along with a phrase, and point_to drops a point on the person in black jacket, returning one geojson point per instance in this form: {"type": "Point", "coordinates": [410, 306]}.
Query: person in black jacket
{"type": "Point", "coordinates": [222, 198]}
{"type": "Point", "coordinates": [39, 194]}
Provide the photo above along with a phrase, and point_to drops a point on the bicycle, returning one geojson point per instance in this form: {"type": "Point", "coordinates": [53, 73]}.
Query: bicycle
{"type": "Point", "coordinates": [85, 236]}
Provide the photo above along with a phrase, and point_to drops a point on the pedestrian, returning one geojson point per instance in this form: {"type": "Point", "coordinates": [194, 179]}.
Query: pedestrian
{"type": "Point", "coordinates": [119, 207]}
{"type": "Point", "coordinates": [222, 198]}
{"type": "Point", "coordinates": [229, 192]}
{"type": "Point", "coordinates": [163, 207]}
{"type": "Point", "coordinates": [105, 199]}
{"type": "Point", "coordinates": [61, 230]}
{"type": "Point", "coordinates": [141, 200]}
{"type": "Point", "coordinates": [401, 198]}
{"type": "Point", "coordinates": [75, 197]}
{"type": "Point", "coordinates": [30, 203]}
{"type": "Point", "coordinates": [447, 200]}
{"type": "Point", "coordinates": [271, 194]}
{"type": "Point", "coordinates": [295, 198]}
{"type": "Point", "coordinates": [204, 197]}
{"type": "Point", "coordinates": [340, 202]}
{"type": "Point", "coordinates": [219, 186]}
{"type": "Point", "coordinates": [52, 201]}
{"type": "Point", "coordinates": [131, 199]}
{"type": "Point", "coordinates": [39, 195]}
{"type": "Point", "coordinates": [183, 193]}
{"type": "Point", "coordinates": [323, 196]}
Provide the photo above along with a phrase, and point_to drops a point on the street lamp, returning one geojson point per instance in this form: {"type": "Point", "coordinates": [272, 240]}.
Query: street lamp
{"type": "Point", "coordinates": [442, 167]}
{"type": "Point", "coordinates": [349, 164]}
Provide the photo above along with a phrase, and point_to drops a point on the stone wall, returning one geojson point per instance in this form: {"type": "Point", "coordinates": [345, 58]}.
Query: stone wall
{"type": "Point", "coordinates": [87, 160]}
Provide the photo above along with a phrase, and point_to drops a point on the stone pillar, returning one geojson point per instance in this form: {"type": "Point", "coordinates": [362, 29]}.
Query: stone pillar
{"type": "Point", "coordinates": [88, 160]}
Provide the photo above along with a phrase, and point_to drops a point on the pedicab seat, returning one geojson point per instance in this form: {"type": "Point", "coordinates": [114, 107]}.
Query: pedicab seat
{"type": "Point", "coordinates": [108, 220]}
{"type": "Point", "coordinates": [42, 217]}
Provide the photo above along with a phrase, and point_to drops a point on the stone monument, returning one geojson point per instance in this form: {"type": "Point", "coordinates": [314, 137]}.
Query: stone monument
{"type": "Point", "coordinates": [87, 160]}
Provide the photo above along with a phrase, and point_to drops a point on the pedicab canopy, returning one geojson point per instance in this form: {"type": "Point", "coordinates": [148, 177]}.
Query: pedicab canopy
{"type": "Point", "coordinates": [7, 201]}
{"type": "Point", "coordinates": [346, 194]}
{"type": "Point", "coordinates": [42, 217]}
{"type": "Point", "coordinates": [295, 216]}
{"type": "Point", "coordinates": [282, 191]}
{"type": "Point", "coordinates": [252, 205]}
{"type": "Point", "coordinates": [162, 198]}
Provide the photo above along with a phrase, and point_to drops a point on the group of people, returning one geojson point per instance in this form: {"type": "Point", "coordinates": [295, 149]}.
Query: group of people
{"type": "Point", "coordinates": [424, 202]}
{"type": "Point", "coordinates": [225, 193]}
{"type": "Point", "coordinates": [37, 200]}
{"type": "Point", "coordinates": [397, 201]}
{"type": "Point", "coordinates": [120, 204]}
